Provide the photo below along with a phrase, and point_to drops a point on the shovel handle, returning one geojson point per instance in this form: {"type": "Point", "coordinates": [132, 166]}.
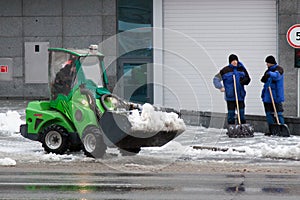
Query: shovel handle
{"type": "Point", "coordinates": [274, 107]}
{"type": "Point", "coordinates": [236, 99]}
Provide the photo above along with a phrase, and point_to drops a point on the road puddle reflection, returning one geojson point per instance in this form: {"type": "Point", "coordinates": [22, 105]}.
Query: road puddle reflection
{"type": "Point", "coordinates": [236, 189]}
{"type": "Point", "coordinates": [273, 184]}
{"type": "Point", "coordinates": [276, 190]}
{"type": "Point", "coordinates": [89, 188]}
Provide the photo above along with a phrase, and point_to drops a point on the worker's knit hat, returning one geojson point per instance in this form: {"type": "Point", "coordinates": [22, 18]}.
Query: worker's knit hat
{"type": "Point", "coordinates": [233, 57]}
{"type": "Point", "coordinates": [271, 60]}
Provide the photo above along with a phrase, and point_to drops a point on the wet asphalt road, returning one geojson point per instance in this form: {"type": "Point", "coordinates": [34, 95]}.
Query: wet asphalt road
{"type": "Point", "coordinates": [131, 186]}
{"type": "Point", "coordinates": [78, 181]}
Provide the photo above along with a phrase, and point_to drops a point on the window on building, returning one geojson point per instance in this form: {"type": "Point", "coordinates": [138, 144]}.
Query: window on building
{"type": "Point", "coordinates": [134, 26]}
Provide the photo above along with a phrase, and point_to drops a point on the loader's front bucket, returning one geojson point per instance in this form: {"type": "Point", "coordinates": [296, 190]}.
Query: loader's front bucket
{"type": "Point", "coordinates": [115, 126]}
{"type": "Point", "coordinates": [146, 139]}
{"type": "Point", "coordinates": [117, 130]}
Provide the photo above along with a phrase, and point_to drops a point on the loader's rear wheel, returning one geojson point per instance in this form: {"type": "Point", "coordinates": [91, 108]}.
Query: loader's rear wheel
{"type": "Point", "coordinates": [129, 151]}
{"type": "Point", "coordinates": [93, 142]}
{"type": "Point", "coordinates": [55, 139]}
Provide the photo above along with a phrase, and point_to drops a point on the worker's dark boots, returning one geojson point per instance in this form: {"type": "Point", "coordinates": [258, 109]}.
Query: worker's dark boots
{"type": "Point", "coordinates": [269, 133]}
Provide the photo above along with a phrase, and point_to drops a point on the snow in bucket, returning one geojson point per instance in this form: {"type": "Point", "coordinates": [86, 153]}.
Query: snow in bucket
{"type": "Point", "coordinates": [151, 120]}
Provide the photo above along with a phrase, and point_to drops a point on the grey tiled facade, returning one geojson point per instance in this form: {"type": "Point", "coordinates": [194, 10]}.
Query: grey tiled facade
{"type": "Point", "coordinates": [78, 23]}
{"type": "Point", "coordinates": [62, 23]}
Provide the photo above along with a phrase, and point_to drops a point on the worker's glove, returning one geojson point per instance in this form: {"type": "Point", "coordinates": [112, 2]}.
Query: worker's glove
{"type": "Point", "coordinates": [244, 80]}
{"type": "Point", "coordinates": [265, 77]}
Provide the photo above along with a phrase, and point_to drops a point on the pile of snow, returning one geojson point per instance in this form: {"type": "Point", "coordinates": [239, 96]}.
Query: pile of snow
{"type": "Point", "coordinates": [281, 151]}
{"type": "Point", "coordinates": [150, 120]}
{"type": "Point", "coordinates": [10, 121]}
{"type": "Point", "coordinates": [7, 162]}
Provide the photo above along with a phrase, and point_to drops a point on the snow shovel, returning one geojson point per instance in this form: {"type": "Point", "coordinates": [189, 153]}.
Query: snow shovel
{"type": "Point", "coordinates": [239, 130]}
{"type": "Point", "coordinates": [277, 129]}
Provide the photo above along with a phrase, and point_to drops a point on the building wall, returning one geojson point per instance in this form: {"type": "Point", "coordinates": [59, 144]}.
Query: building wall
{"type": "Point", "coordinates": [62, 23]}
{"type": "Point", "coordinates": [288, 15]}
{"type": "Point", "coordinates": [77, 23]}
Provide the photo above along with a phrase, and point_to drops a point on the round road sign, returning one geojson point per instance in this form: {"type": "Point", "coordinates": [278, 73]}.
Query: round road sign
{"type": "Point", "coordinates": [293, 36]}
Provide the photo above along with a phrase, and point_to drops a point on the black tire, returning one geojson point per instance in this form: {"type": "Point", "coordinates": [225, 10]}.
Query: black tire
{"type": "Point", "coordinates": [93, 143]}
{"type": "Point", "coordinates": [55, 139]}
{"type": "Point", "coordinates": [129, 151]}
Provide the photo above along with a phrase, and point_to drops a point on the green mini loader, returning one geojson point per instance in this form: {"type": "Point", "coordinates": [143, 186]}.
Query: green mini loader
{"type": "Point", "coordinates": [82, 114]}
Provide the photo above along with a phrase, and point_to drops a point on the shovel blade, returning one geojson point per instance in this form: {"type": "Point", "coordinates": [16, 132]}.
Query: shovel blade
{"type": "Point", "coordinates": [240, 131]}
{"type": "Point", "coordinates": [281, 130]}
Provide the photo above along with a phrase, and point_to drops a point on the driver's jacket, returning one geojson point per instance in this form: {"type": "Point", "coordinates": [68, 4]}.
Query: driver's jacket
{"type": "Point", "coordinates": [226, 75]}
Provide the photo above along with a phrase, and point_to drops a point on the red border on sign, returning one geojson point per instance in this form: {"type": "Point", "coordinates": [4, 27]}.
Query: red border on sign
{"type": "Point", "coordinates": [288, 34]}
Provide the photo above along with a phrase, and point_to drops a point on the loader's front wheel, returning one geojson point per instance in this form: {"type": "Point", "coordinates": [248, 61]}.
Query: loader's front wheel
{"type": "Point", "coordinates": [55, 139]}
{"type": "Point", "coordinates": [93, 142]}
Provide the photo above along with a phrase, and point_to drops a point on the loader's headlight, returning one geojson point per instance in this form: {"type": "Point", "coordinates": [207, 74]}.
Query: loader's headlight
{"type": "Point", "coordinates": [84, 102]}
{"type": "Point", "coordinates": [93, 48]}
{"type": "Point", "coordinates": [113, 101]}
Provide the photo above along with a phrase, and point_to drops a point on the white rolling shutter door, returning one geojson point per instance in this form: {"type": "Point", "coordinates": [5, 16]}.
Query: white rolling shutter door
{"type": "Point", "coordinates": [197, 40]}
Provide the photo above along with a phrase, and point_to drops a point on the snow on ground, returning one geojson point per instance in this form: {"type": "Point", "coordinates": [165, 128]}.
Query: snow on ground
{"type": "Point", "coordinates": [260, 149]}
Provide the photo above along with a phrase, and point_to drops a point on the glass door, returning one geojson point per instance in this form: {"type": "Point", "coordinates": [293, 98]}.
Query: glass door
{"type": "Point", "coordinates": [135, 53]}
{"type": "Point", "coordinates": [135, 78]}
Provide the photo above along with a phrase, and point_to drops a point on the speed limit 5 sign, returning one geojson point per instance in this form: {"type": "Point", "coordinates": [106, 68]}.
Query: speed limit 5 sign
{"type": "Point", "coordinates": [293, 36]}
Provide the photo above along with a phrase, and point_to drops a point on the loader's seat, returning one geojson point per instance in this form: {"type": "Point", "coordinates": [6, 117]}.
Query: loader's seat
{"type": "Point", "coordinates": [63, 80]}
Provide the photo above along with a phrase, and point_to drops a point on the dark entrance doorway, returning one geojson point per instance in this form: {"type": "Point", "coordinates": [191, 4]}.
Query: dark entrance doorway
{"type": "Point", "coordinates": [136, 76]}
{"type": "Point", "coordinates": [135, 54]}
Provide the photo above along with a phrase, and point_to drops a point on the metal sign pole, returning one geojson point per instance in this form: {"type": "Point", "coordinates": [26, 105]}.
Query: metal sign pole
{"type": "Point", "coordinates": [298, 95]}
{"type": "Point", "coordinates": [293, 38]}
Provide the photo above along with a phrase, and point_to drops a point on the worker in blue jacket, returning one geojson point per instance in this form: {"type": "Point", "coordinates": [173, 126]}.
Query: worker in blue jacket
{"type": "Point", "coordinates": [273, 77]}
{"type": "Point", "coordinates": [242, 77]}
